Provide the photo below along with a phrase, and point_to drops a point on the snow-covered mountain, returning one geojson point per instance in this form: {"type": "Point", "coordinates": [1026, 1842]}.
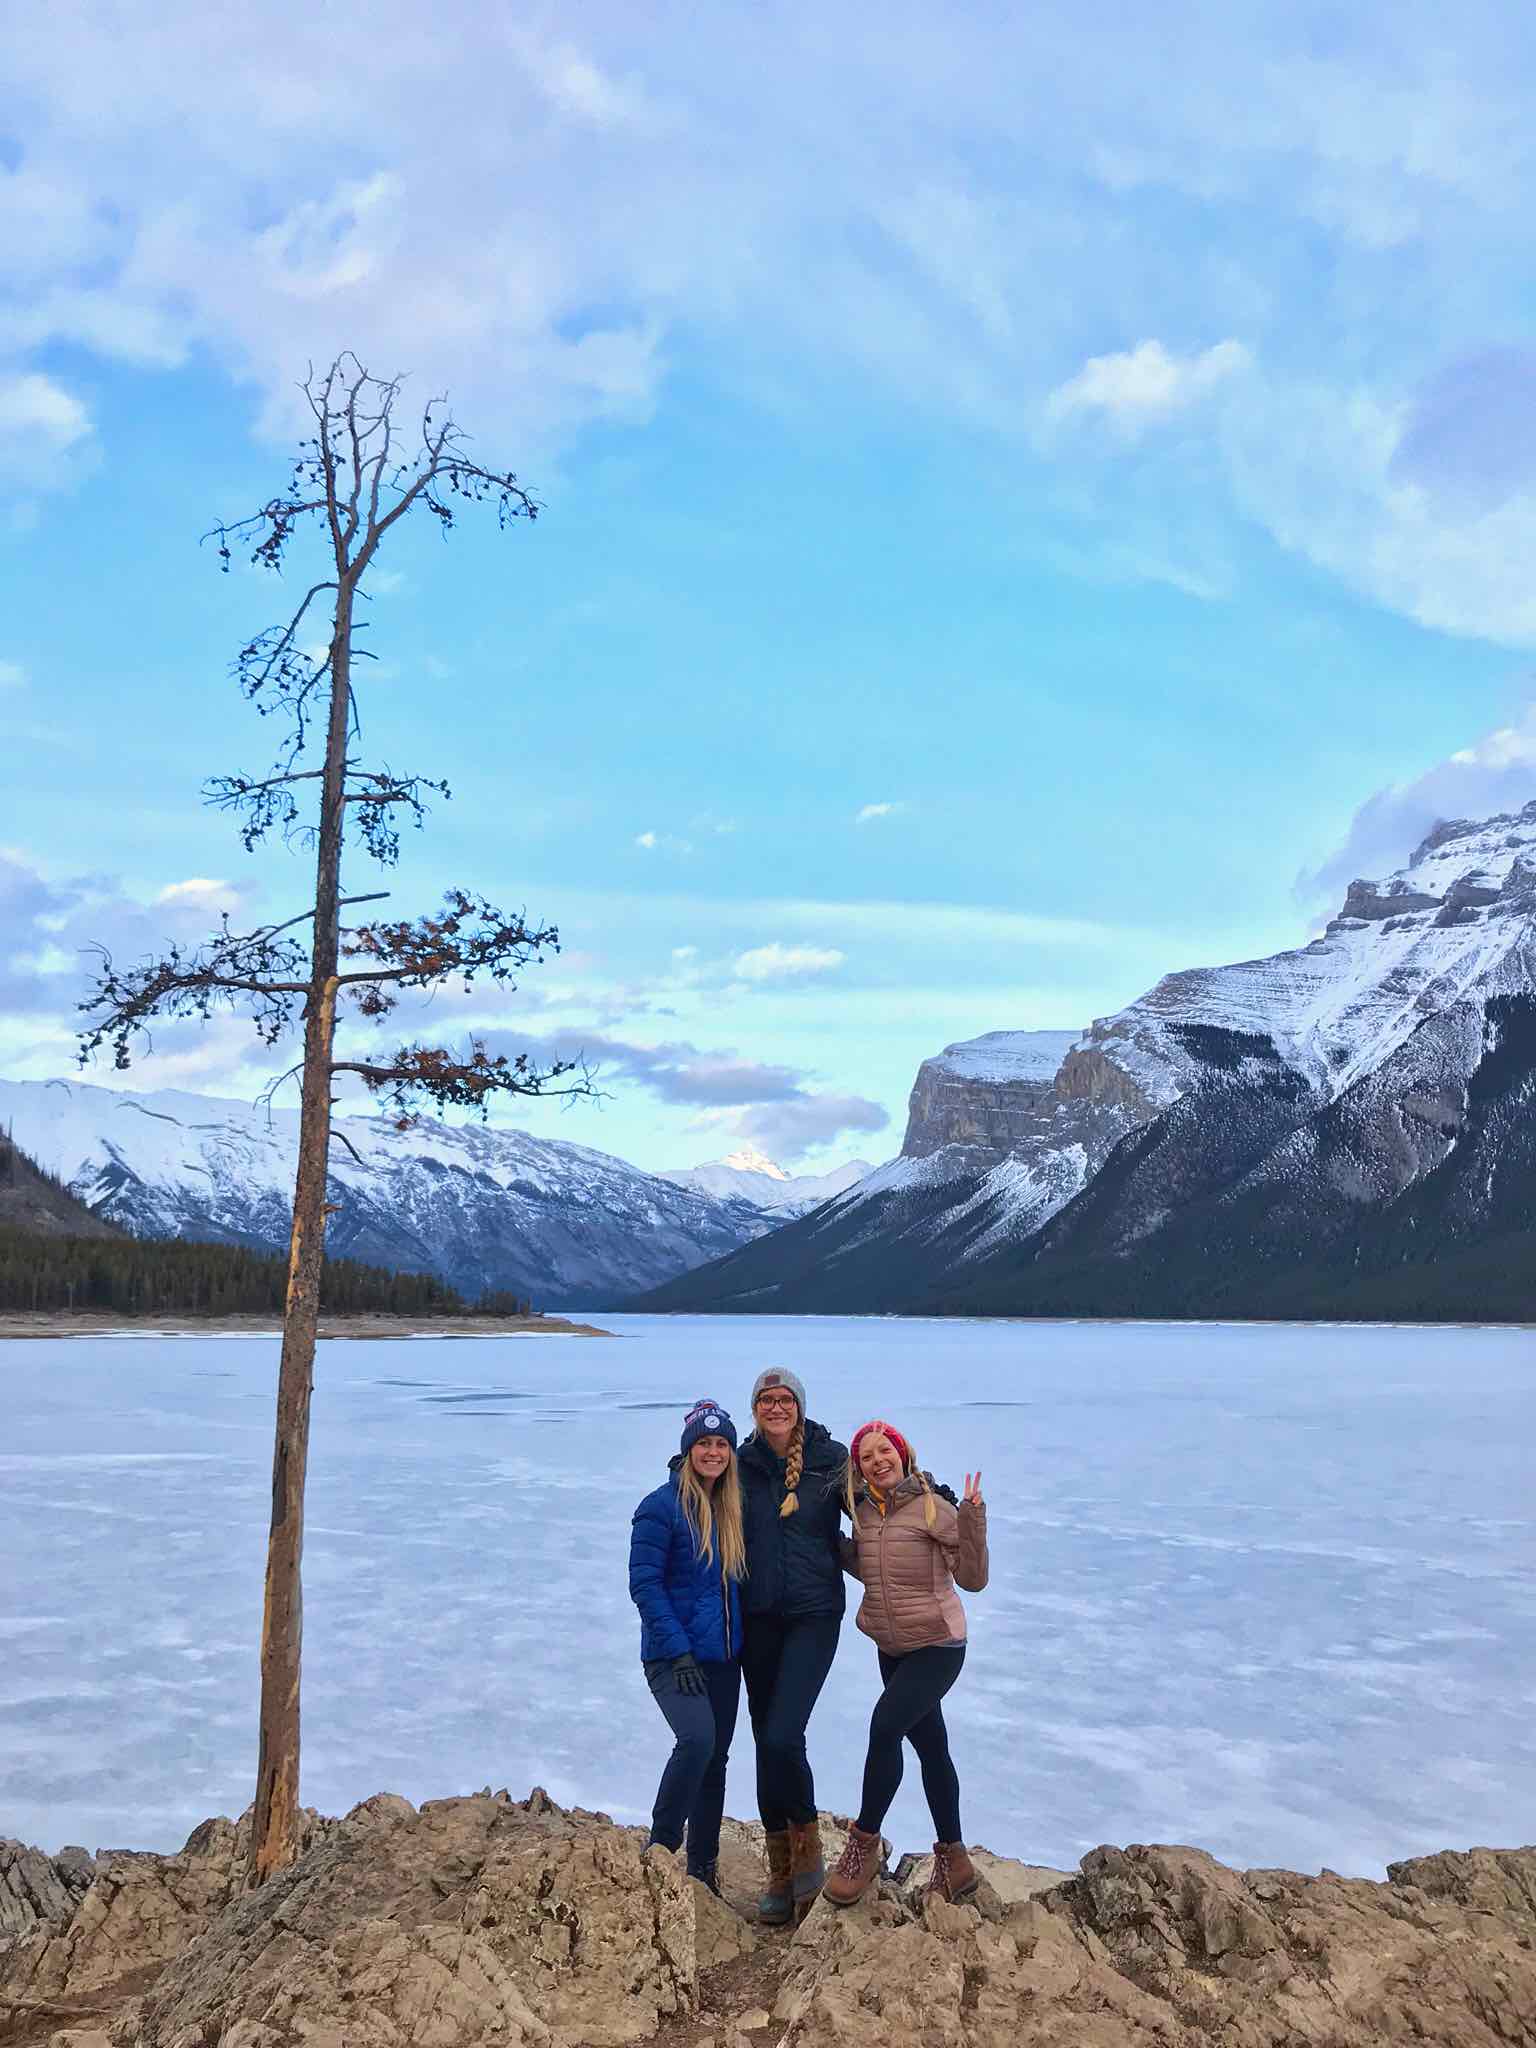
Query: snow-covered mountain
{"type": "Point", "coordinates": [485, 1208]}
{"type": "Point", "coordinates": [1238, 1138]}
{"type": "Point", "coordinates": [750, 1176]}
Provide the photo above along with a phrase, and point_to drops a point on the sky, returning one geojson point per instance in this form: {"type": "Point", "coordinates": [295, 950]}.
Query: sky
{"type": "Point", "coordinates": [1031, 502]}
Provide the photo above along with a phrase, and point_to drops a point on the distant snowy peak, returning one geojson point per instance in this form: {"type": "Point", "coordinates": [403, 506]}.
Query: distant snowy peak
{"type": "Point", "coordinates": [747, 1159]}
{"type": "Point", "coordinates": [748, 1176]}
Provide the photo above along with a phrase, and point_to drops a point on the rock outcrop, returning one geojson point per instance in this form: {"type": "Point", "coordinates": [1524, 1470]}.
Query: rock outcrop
{"type": "Point", "coordinates": [479, 1921]}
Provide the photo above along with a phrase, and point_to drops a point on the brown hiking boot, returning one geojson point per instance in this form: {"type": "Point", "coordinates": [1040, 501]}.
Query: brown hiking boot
{"type": "Point", "coordinates": [855, 1870]}
{"type": "Point", "coordinates": [810, 1872]}
{"type": "Point", "coordinates": [776, 1906]}
{"type": "Point", "coordinates": [955, 1876]}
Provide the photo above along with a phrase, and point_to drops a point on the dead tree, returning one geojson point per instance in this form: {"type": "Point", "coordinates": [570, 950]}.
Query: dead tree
{"type": "Point", "coordinates": [351, 484]}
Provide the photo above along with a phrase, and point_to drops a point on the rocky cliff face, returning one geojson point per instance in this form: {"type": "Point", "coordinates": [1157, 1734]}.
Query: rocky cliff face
{"type": "Point", "coordinates": [472, 1922]}
{"type": "Point", "coordinates": [1250, 1139]}
{"type": "Point", "coordinates": [986, 1097]}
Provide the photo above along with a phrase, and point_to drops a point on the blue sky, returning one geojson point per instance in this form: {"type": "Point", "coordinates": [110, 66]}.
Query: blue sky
{"type": "Point", "coordinates": [1031, 502]}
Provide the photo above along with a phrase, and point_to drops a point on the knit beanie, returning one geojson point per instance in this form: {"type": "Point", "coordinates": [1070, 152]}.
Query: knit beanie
{"type": "Point", "coordinates": [779, 1376]}
{"type": "Point", "coordinates": [885, 1429]}
{"type": "Point", "coordinates": [706, 1418]}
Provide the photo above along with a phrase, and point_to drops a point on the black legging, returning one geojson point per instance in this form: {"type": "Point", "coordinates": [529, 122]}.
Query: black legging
{"type": "Point", "coordinates": [909, 1709]}
{"type": "Point", "coordinates": [784, 1665]}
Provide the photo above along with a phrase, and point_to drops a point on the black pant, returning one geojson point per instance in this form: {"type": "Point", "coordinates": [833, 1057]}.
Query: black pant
{"type": "Point", "coordinates": [909, 1708]}
{"type": "Point", "coordinates": [692, 1789]}
{"type": "Point", "coordinates": [785, 1665]}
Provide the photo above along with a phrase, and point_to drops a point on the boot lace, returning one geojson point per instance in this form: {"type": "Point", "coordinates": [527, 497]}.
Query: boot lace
{"type": "Point", "coordinates": [939, 1882]}
{"type": "Point", "coordinates": [851, 1862]}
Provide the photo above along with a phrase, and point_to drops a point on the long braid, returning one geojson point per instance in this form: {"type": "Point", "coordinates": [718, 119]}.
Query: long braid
{"type": "Point", "coordinates": [794, 1464]}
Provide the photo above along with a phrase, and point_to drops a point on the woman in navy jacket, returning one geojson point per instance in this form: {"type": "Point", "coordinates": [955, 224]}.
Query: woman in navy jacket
{"type": "Point", "coordinates": [686, 1558]}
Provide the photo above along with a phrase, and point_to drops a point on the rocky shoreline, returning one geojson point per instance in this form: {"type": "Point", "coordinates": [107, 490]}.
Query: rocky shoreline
{"type": "Point", "coordinates": [94, 1323]}
{"type": "Point", "coordinates": [485, 1920]}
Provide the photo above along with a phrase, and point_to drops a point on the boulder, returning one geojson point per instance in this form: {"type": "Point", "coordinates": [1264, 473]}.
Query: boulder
{"type": "Point", "coordinates": [474, 1920]}
{"type": "Point", "coordinates": [39, 1892]}
{"type": "Point", "coordinates": [1167, 1946]}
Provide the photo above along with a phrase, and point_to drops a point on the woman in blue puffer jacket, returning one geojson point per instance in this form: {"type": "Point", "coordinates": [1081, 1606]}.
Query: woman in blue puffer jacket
{"type": "Point", "coordinates": [686, 1558]}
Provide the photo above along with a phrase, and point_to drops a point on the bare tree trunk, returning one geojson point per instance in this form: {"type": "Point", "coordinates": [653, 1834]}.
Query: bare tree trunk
{"type": "Point", "coordinates": [274, 1832]}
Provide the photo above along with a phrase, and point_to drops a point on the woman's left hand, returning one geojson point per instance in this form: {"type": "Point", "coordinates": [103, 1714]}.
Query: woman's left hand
{"type": "Point", "coordinates": [972, 1496]}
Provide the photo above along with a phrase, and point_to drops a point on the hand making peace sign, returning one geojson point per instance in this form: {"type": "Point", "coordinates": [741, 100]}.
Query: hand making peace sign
{"type": "Point", "coordinates": [972, 1496]}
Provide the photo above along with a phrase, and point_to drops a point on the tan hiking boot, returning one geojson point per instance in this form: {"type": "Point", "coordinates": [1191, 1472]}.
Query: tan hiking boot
{"type": "Point", "coordinates": [855, 1870]}
{"type": "Point", "coordinates": [776, 1906]}
{"type": "Point", "coordinates": [955, 1876]}
{"type": "Point", "coordinates": [810, 1872]}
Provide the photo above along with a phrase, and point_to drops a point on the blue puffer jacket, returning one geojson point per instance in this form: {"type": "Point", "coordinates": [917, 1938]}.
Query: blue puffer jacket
{"type": "Point", "coordinates": [685, 1602]}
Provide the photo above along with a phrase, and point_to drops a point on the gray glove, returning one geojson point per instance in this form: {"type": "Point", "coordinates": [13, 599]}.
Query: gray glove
{"type": "Point", "coordinates": [690, 1678]}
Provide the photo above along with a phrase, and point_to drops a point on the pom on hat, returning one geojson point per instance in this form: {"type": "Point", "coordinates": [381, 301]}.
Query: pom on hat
{"type": "Point", "coordinates": [706, 1418]}
{"type": "Point", "coordinates": [885, 1429]}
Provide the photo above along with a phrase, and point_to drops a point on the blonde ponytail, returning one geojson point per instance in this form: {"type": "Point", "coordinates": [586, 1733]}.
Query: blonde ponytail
{"type": "Point", "coordinates": [794, 1465]}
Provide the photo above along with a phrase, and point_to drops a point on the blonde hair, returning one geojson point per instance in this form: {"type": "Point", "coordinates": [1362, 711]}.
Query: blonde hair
{"type": "Point", "coordinates": [794, 1465]}
{"type": "Point", "coordinates": [853, 1479]}
{"type": "Point", "coordinates": [708, 1509]}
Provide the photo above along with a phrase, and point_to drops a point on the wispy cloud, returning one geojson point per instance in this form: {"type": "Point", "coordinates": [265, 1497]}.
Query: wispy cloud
{"type": "Point", "coordinates": [786, 963]}
{"type": "Point", "coordinates": [1497, 773]}
{"type": "Point", "coordinates": [760, 1099]}
{"type": "Point", "coordinates": [662, 842]}
{"type": "Point", "coordinates": [789, 1129]}
{"type": "Point", "coordinates": [1145, 384]}
{"type": "Point", "coordinates": [869, 812]}
{"type": "Point", "coordinates": [200, 892]}
{"type": "Point", "coordinates": [12, 676]}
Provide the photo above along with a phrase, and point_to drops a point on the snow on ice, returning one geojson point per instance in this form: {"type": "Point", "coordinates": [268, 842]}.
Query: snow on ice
{"type": "Point", "coordinates": [1268, 1590]}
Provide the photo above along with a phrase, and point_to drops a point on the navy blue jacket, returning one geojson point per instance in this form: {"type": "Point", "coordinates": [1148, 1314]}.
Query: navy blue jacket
{"type": "Point", "coordinates": [686, 1603]}
{"type": "Point", "coordinates": [794, 1564]}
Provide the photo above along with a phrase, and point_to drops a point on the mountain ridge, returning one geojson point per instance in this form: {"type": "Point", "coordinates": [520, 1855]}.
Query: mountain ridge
{"type": "Point", "coordinates": [1270, 1137]}
{"type": "Point", "coordinates": [487, 1209]}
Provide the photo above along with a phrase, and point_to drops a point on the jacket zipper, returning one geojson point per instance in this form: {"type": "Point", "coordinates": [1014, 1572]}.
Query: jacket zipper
{"type": "Point", "coordinates": [725, 1606]}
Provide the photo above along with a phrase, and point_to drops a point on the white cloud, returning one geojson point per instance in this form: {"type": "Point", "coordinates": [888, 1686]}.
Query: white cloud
{"type": "Point", "coordinates": [12, 675]}
{"type": "Point", "coordinates": [1497, 773]}
{"type": "Point", "coordinates": [788, 1130]}
{"type": "Point", "coordinates": [1146, 383]}
{"type": "Point", "coordinates": [200, 891]}
{"type": "Point", "coordinates": [1314, 467]}
{"type": "Point", "coordinates": [663, 842]}
{"type": "Point", "coordinates": [871, 811]}
{"type": "Point", "coordinates": [685, 952]}
{"type": "Point", "coordinates": [786, 963]}
{"type": "Point", "coordinates": [646, 839]}
{"type": "Point", "coordinates": [37, 405]}
{"type": "Point", "coordinates": [44, 430]}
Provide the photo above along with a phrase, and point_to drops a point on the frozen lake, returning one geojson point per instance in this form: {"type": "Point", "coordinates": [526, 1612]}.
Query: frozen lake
{"type": "Point", "coordinates": [1271, 1591]}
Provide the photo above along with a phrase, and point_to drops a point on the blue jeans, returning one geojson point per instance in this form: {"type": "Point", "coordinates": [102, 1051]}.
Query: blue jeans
{"type": "Point", "coordinates": [691, 1794]}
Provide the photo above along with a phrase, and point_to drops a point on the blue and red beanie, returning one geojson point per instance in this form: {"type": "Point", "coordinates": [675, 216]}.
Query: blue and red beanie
{"type": "Point", "coordinates": [706, 1418]}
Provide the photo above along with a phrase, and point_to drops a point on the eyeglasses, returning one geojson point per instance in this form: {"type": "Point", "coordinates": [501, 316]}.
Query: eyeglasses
{"type": "Point", "coordinates": [779, 1402]}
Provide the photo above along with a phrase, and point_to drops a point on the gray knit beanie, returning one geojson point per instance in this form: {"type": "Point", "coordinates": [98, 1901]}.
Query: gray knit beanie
{"type": "Point", "coordinates": [777, 1376]}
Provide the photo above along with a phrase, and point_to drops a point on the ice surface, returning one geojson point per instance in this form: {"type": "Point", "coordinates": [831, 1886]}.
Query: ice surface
{"type": "Point", "coordinates": [1266, 1590]}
